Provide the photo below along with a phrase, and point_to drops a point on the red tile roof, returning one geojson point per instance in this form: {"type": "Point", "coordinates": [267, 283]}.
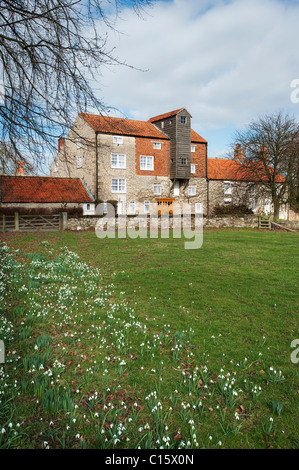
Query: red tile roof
{"type": "Point", "coordinates": [196, 137]}
{"type": "Point", "coordinates": [226, 169]}
{"type": "Point", "coordinates": [130, 127]}
{"type": "Point", "coordinates": [165, 115]}
{"type": "Point", "coordinates": [42, 189]}
{"type": "Point", "coordinates": [112, 125]}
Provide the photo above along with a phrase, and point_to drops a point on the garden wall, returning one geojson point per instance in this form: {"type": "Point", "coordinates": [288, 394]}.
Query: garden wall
{"type": "Point", "coordinates": [89, 222]}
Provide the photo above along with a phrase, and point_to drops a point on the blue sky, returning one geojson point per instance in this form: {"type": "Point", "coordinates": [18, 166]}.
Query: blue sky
{"type": "Point", "coordinates": [226, 61]}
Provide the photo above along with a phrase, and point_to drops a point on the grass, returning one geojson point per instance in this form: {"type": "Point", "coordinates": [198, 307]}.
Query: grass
{"type": "Point", "coordinates": [128, 343]}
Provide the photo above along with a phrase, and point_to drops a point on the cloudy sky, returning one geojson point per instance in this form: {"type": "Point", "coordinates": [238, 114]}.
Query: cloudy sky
{"type": "Point", "coordinates": [226, 61]}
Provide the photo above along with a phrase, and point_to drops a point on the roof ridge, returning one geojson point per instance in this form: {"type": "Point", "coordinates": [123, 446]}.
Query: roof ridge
{"type": "Point", "coordinates": [42, 176]}
{"type": "Point", "coordinates": [164, 115]}
{"type": "Point", "coordinates": [124, 126]}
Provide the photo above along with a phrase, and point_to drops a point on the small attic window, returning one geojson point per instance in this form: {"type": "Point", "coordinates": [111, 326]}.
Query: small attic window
{"type": "Point", "coordinates": [183, 119]}
{"type": "Point", "coordinates": [118, 139]}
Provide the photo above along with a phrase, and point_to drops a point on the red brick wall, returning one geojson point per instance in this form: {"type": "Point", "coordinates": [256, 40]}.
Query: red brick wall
{"type": "Point", "coordinates": [144, 146]}
{"type": "Point", "coordinates": [199, 158]}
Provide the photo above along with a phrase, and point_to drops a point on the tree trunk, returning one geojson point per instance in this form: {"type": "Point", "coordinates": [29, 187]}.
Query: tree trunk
{"type": "Point", "coordinates": [276, 209]}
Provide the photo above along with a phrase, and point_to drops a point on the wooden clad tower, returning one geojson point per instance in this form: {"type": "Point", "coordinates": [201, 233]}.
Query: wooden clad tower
{"type": "Point", "coordinates": [177, 126]}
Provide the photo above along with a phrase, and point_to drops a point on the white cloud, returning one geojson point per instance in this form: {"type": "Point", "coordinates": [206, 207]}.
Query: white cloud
{"type": "Point", "coordinates": [225, 61]}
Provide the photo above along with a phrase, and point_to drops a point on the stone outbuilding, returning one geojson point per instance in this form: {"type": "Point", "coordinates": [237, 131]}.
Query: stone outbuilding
{"type": "Point", "coordinates": [38, 202]}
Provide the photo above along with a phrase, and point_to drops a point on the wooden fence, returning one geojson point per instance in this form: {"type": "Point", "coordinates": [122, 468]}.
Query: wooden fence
{"type": "Point", "coordinates": [33, 223]}
{"type": "Point", "coordinates": [265, 223]}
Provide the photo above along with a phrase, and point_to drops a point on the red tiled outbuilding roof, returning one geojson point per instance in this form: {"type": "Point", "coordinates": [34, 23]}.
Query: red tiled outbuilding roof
{"type": "Point", "coordinates": [226, 169]}
{"type": "Point", "coordinates": [43, 189]}
{"type": "Point", "coordinates": [130, 127]}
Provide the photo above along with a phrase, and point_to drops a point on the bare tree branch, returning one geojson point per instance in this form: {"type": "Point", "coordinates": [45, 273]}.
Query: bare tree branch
{"type": "Point", "coordinates": [49, 49]}
{"type": "Point", "coordinates": [271, 147]}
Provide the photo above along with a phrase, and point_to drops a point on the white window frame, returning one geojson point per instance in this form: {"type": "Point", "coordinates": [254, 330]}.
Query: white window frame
{"type": "Point", "coordinates": [157, 189]}
{"type": "Point", "coordinates": [191, 190]}
{"type": "Point", "coordinates": [192, 168]}
{"type": "Point", "coordinates": [146, 207]}
{"type": "Point", "coordinates": [227, 200]}
{"type": "Point", "coordinates": [120, 160]}
{"type": "Point", "coordinates": [183, 119]}
{"type": "Point", "coordinates": [105, 207]}
{"type": "Point", "coordinates": [148, 164]}
{"type": "Point", "coordinates": [79, 142]}
{"type": "Point", "coordinates": [118, 139]}
{"type": "Point", "coordinates": [157, 145]}
{"type": "Point", "coordinates": [79, 161]}
{"type": "Point", "coordinates": [227, 187]}
{"type": "Point", "coordinates": [119, 186]}
{"type": "Point", "coordinates": [56, 165]}
{"type": "Point", "coordinates": [132, 207]}
{"type": "Point", "coordinates": [192, 149]}
{"type": "Point", "coordinates": [198, 208]}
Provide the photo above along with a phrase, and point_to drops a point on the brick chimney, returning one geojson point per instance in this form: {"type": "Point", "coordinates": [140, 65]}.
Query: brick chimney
{"type": "Point", "coordinates": [239, 153]}
{"type": "Point", "coordinates": [20, 169]}
{"type": "Point", "coordinates": [265, 154]}
{"type": "Point", "coordinates": [60, 143]}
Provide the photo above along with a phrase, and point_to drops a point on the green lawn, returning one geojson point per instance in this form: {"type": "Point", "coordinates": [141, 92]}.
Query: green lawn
{"type": "Point", "coordinates": [127, 343]}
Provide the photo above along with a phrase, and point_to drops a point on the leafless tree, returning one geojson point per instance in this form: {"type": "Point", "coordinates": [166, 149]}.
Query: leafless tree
{"type": "Point", "coordinates": [271, 148]}
{"type": "Point", "coordinates": [9, 161]}
{"type": "Point", "coordinates": [49, 52]}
